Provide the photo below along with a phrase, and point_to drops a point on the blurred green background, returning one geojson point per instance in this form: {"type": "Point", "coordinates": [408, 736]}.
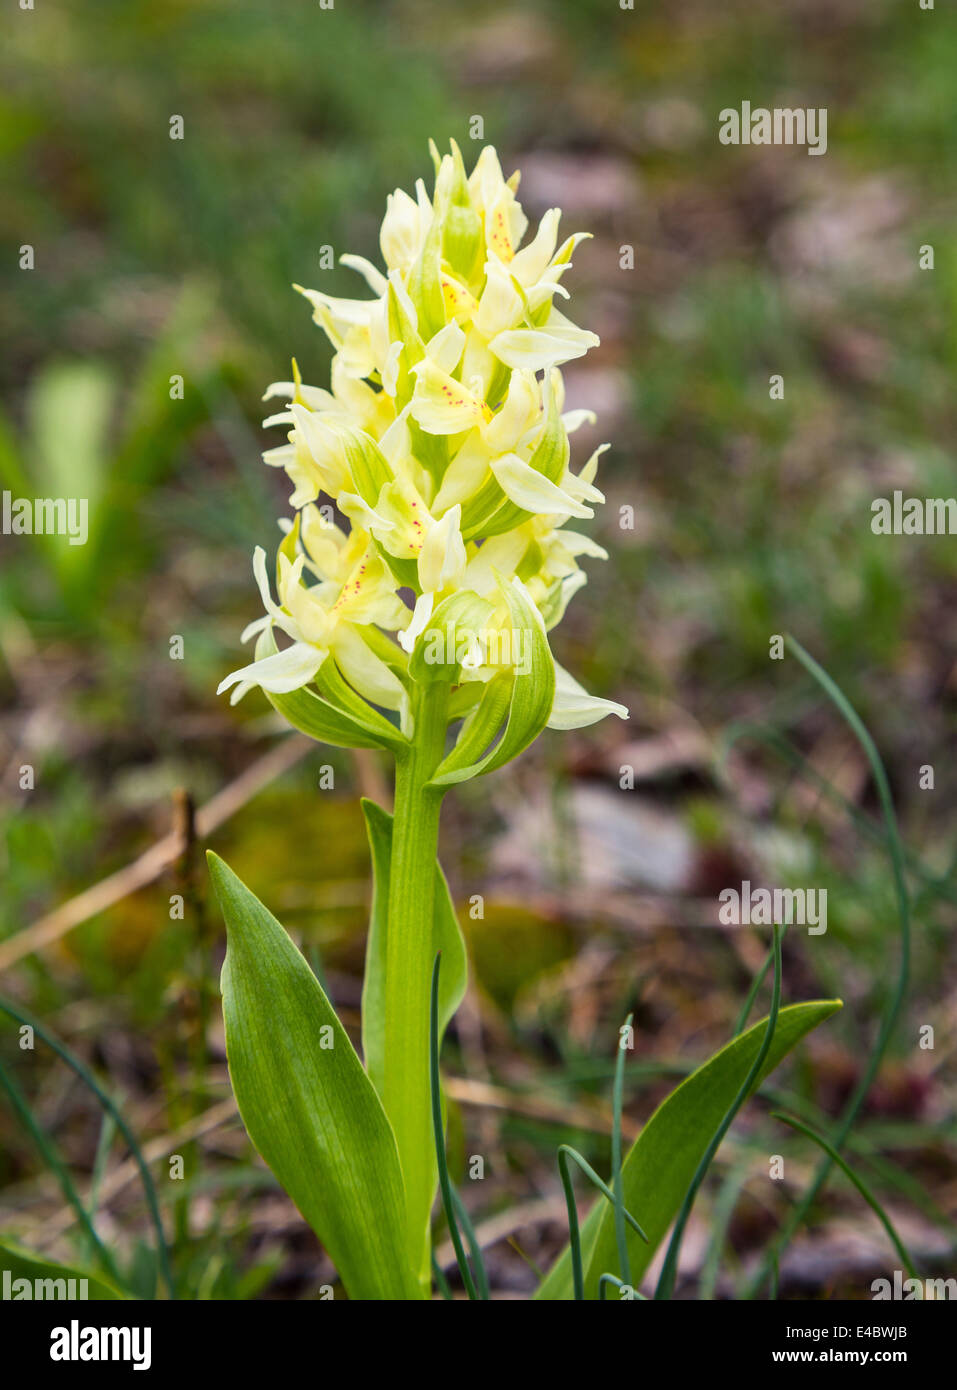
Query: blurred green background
{"type": "Point", "coordinates": [157, 257]}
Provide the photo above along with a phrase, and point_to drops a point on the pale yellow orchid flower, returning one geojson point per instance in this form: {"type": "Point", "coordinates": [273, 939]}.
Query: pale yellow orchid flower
{"type": "Point", "coordinates": [441, 441]}
{"type": "Point", "coordinates": [321, 620]}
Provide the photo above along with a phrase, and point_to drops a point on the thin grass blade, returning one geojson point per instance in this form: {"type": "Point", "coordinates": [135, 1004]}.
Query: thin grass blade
{"type": "Point", "coordinates": [858, 1182]}
{"type": "Point", "coordinates": [445, 1184]}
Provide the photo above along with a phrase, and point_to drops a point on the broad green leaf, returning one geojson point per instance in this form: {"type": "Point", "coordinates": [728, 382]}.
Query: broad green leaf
{"type": "Point", "coordinates": [24, 1264]}
{"type": "Point", "coordinates": [664, 1157]}
{"type": "Point", "coordinates": [446, 937]}
{"type": "Point", "coordinates": [306, 1102]}
{"type": "Point", "coordinates": [532, 696]}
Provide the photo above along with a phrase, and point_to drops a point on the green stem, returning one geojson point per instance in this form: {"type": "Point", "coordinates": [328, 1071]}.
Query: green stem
{"type": "Point", "coordinates": [408, 969]}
